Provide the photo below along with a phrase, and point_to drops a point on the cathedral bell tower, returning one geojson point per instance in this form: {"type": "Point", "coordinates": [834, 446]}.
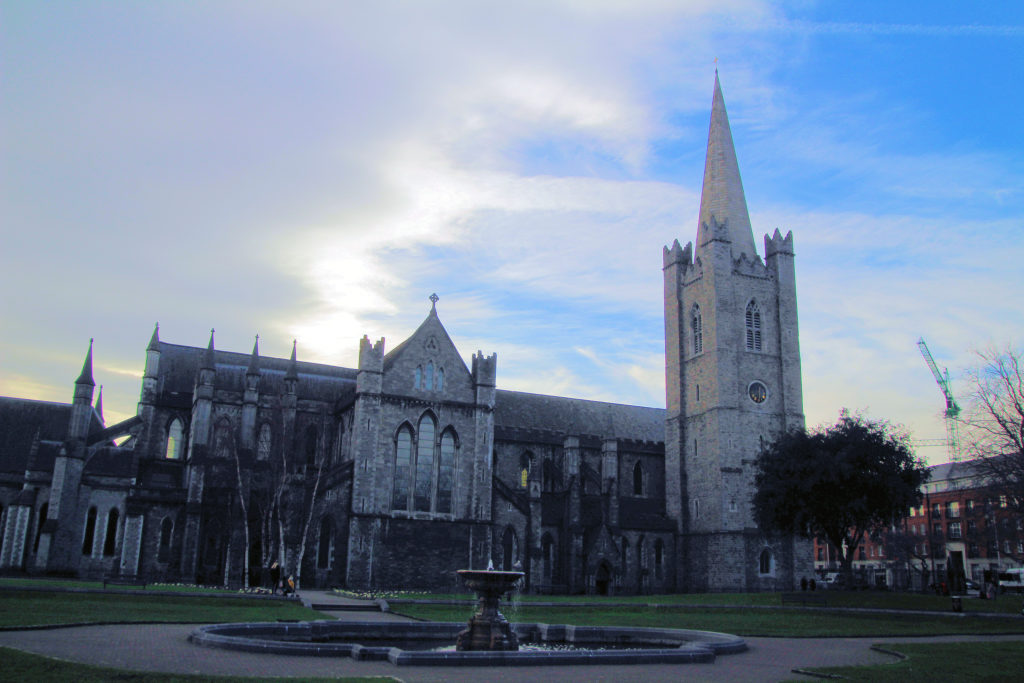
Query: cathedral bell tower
{"type": "Point", "coordinates": [732, 382]}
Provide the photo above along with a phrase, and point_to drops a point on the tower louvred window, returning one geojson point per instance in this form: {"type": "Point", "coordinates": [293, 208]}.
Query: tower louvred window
{"type": "Point", "coordinates": [753, 325]}
{"type": "Point", "coordinates": [698, 330]}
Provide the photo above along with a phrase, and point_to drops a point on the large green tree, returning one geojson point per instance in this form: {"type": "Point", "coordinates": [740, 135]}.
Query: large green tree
{"type": "Point", "coordinates": [840, 482]}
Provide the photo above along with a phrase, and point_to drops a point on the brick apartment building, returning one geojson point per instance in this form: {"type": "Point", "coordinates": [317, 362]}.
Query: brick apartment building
{"type": "Point", "coordinates": [962, 525]}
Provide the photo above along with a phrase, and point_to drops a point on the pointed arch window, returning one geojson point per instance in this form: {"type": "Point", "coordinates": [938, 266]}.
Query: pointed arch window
{"type": "Point", "coordinates": [638, 479]}
{"type": "Point", "coordinates": [548, 552]}
{"type": "Point", "coordinates": [311, 445]}
{"type": "Point", "coordinates": [90, 531]}
{"type": "Point", "coordinates": [697, 327]}
{"type": "Point", "coordinates": [625, 558]}
{"type": "Point", "coordinates": [446, 472]}
{"type": "Point", "coordinates": [764, 563]}
{"type": "Point", "coordinates": [166, 529]}
{"type": "Point", "coordinates": [417, 380]}
{"type": "Point", "coordinates": [525, 461]}
{"type": "Point", "coordinates": [549, 476]}
{"type": "Point", "coordinates": [264, 442]}
{"type": "Point", "coordinates": [403, 468]}
{"type": "Point", "coordinates": [439, 379]}
{"type": "Point", "coordinates": [424, 462]}
{"type": "Point", "coordinates": [325, 545]}
{"type": "Point", "coordinates": [509, 549]}
{"type": "Point", "coordinates": [428, 378]}
{"type": "Point", "coordinates": [222, 438]}
{"type": "Point", "coordinates": [753, 325]}
{"type": "Point", "coordinates": [110, 540]}
{"type": "Point", "coordinates": [175, 440]}
{"type": "Point", "coordinates": [44, 511]}
{"type": "Point", "coordinates": [425, 468]}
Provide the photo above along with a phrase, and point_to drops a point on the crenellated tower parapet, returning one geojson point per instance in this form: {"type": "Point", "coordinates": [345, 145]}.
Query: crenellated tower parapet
{"type": "Point", "coordinates": [371, 366]}
{"type": "Point", "coordinates": [777, 244]}
{"type": "Point", "coordinates": [485, 372]}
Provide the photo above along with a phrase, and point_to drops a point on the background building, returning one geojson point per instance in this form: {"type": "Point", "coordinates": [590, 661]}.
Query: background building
{"type": "Point", "coordinates": [961, 527]}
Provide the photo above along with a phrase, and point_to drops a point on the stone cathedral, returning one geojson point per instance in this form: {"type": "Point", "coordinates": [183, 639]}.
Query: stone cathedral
{"type": "Point", "coordinates": [412, 465]}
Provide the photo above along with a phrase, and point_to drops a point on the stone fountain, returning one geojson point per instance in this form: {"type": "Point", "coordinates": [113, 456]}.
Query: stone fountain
{"type": "Point", "coordinates": [489, 640]}
{"type": "Point", "coordinates": [488, 629]}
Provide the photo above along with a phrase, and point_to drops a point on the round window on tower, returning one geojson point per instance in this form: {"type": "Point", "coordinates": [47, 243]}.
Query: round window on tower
{"type": "Point", "coordinates": [758, 392]}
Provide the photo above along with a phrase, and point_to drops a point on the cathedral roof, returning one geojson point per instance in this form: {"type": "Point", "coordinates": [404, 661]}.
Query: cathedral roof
{"type": "Point", "coordinates": [21, 419]}
{"type": "Point", "coordinates": [577, 417]}
{"type": "Point", "coordinates": [722, 194]}
{"type": "Point", "coordinates": [179, 364]}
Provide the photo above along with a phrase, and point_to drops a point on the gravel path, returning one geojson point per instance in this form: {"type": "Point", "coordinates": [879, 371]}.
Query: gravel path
{"type": "Point", "coordinates": [166, 648]}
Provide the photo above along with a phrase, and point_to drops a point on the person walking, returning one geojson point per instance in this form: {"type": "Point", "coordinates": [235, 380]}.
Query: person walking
{"type": "Point", "coordinates": [275, 577]}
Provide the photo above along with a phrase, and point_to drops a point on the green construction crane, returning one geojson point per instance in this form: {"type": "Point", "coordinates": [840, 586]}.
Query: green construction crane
{"type": "Point", "coordinates": [952, 408]}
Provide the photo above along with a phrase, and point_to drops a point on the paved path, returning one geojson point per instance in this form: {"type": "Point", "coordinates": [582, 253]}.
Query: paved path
{"type": "Point", "coordinates": [166, 648]}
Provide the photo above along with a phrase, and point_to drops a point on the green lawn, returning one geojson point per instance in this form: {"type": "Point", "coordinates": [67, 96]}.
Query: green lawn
{"type": "Point", "coordinates": [35, 608]}
{"type": "Point", "coordinates": [57, 584]}
{"type": "Point", "coordinates": [948, 662]}
{"type": "Point", "coordinates": [23, 666]}
{"type": "Point", "coordinates": [1007, 604]}
{"type": "Point", "coordinates": [743, 622]}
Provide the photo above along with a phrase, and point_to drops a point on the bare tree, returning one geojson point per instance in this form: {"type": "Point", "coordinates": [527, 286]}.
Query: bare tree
{"type": "Point", "coordinates": [245, 519]}
{"type": "Point", "coordinates": [994, 422]}
{"type": "Point", "coordinates": [310, 507]}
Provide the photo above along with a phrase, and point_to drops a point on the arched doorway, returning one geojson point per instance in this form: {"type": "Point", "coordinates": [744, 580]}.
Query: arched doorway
{"type": "Point", "coordinates": [509, 548]}
{"type": "Point", "coordinates": [602, 579]}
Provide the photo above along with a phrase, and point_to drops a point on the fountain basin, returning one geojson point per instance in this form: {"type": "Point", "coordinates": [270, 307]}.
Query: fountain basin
{"type": "Point", "coordinates": [369, 641]}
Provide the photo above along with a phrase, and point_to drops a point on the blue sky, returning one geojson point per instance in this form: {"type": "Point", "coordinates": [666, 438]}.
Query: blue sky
{"type": "Point", "coordinates": [314, 171]}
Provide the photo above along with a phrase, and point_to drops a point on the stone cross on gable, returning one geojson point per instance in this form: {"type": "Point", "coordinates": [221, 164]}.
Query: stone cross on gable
{"type": "Point", "coordinates": [433, 300]}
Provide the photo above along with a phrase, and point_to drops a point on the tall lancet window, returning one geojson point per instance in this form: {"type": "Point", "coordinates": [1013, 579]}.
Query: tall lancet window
{"type": "Point", "coordinates": [424, 463]}
{"type": "Point", "coordinates": [697, 325]}
{"type": "Point", "coordinates": [446, 472]}
{"type": "Point", "coordinates": [753, 320]}
{"type": "Point", "coordinates": [175, 440]}
{"type": "Point", "coordinates": [403, 469]}
{"type": "Point", "coordinates": [264, 443]}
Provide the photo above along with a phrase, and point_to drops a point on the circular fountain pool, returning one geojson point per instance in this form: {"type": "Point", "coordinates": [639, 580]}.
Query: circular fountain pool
{"type": "Point", "coordinates": [423, 643]}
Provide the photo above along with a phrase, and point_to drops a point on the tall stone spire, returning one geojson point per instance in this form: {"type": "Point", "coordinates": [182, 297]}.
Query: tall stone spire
{"type": "Point", "coordinates": [722, 195]}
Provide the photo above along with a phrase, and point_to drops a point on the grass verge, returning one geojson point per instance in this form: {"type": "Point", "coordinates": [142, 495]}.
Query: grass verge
{"type": "Point", "coordinates": [743, 622]}
{"type": "Point", "coordinates": [39, 608]}
{"type": "Point", "coordinates": [58, 584]}
{"type": "Point", "coordinates": [1006, 604]}
{"type": "Point", "coordinates": [950, 662]}
{"type": "Point", "coordinates": [23, 666]}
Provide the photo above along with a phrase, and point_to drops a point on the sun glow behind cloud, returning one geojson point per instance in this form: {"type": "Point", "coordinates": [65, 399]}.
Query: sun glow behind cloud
{"type": "Point", "coordinates": [315, 172]}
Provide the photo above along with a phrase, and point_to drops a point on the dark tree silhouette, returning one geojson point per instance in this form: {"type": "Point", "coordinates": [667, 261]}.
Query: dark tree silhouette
{"type": "Point", "coordinates": [840, 482]}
